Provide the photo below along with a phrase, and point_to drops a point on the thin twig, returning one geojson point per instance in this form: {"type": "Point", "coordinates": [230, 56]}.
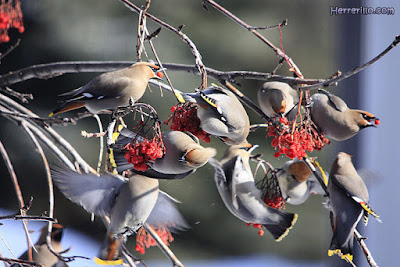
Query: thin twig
{"type": "Point", "coordinates": [28, 218]}
{"type": "Point", "coordinates": [367, 253]}
{"type": "Point", "coordinates": [56, 137]}
{"type": "Point", "coordinates": [175, 261]}
{"type": "Point", "coordinates": [198, 59]}
{"type": "Point", "coordinates": [39, 149]}
{"type": "Point", "coordinates": [283, 23]}
{"type": "Point", "coordinates": [20, 198]}
{"type": "Point", "coordinates": [256, 33]}
{"type": "Point", "coordinates": [10, 49]}
{"type": "Point", "coordinates": [43, 138]}
{"type": "Point", "coordinates": [354, 71]}
{"type": "Point", "coordinates": [39, 120]}
{"type": "Point", "coordinates": [141, 30]}
{"type": "Point", "coordinates": [24, 98]}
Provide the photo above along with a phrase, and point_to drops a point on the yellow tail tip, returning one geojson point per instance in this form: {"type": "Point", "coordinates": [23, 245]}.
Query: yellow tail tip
{"type": "Point", "coordinates": [108, 262]}
{"type": "Point", "coordinates": [348, 257]}
{"type": "Point", "coordinates": [51, 114]}
{"type": "Point", "coordinates": [279, 239]}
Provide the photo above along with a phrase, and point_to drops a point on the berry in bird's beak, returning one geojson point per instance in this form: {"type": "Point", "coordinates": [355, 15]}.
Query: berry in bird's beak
{"type": "Point", "coordinates": [377, 122]}
{"type": "Point", "coordinates": [160, 74]}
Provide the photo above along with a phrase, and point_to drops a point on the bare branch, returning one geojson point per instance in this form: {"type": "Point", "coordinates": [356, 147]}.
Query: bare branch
{"type": "Point", "coordinates": [52, 70]}
{"type": "Point", "coordinates": [56, 137]}
{"type": "Point", "coordinates": [175, 261]}
{"type": "Point", "coordinates": [18, 192]}
{"type": "Point", "coordinates": [277, 51]}
{"type": "Point", "coordinates": [198, 59]}
{"type": "Point", "coordinates": [367, 253]}
{"type": "Point", "coordinates": [354, 71]}
{"type": "Point", "coordinates": [24, 98]}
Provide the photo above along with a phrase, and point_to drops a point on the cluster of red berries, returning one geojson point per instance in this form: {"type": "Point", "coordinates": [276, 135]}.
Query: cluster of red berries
{"type": "Point", "coordinates": [257, 226]}
{"type": "Point", "coordinates": [139, 154]}
{"type": "Point", "coordinates": [294, 140]}
{"type": "Point", "coordinates": [184, 118]}
{"type": "Point", "coordinates": [10, 17]}
{"type": "Point", "coordinates": [144, 239]}
{"type": "Point", "coordinates": [276, 202]}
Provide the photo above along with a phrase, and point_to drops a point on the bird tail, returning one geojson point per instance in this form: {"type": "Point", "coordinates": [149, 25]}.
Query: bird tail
{"type": "Point", "coordinates": [110, 251]}
{"type": "Point", "coordinates": [67, 106]}
{"type": "Point", "coordinates": [285, 222]}
{"type": "Point", "coordinates": [116, 151]}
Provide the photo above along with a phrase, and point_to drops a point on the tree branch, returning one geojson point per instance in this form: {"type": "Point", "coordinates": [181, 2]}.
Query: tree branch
{"type": "Point", "coordinates": [198, 59]}
{"type": "Point", "coordinates": [52, 70]}
{"type": "Point", "coordinates": [175, 261]}
{"type": "Point", "coordinates": [277, 51]}
{"type": "Point", "coordinates": [354, 71]}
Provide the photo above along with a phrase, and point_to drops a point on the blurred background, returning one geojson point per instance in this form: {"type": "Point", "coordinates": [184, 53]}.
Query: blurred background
{"type": "Point", "coordinates": [320, 44]}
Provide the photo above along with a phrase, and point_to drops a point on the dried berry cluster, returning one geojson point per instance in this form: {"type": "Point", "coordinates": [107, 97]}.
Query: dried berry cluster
{"type": "Point", "coordinates": [139, 154]}
{"type": "Point", "coordinates": [184, 118]}
{"type": "Point", "coordinates": [294, 139]}
{"type": "Point", "coordinates": [144, 239]}
{"type": "Point", "coordinates": [10, 17]}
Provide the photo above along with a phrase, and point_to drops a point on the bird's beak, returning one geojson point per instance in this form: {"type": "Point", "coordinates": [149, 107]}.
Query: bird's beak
{"type": "Point", "coordinates": [252, 148]}
{"type": "Point", "coordinates": [159, 74]}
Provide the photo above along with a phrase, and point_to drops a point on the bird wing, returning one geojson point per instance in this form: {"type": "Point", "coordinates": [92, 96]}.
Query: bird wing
{"type": "Point", "coordinates": [352, 187]}
{"type": "Point", "coordinates": [96, 194]}
{"type": "Point", "coordinates": [205, 97]}
{"type": "Point", "coordinates": [166, 214]}
{"type": "Point", "coordinates": [337, 102]}
{"type": "Point", "coordinates": [101, 87]}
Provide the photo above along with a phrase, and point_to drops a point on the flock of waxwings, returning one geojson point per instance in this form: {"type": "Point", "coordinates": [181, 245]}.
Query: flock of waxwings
{"type": "Point", "coordinates": [130, 202]}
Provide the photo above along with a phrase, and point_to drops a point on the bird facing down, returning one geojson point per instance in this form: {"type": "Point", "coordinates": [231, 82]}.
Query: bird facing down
{"type": "Point", "coordinates": [128, 204]}
{"type": "Point", "coordinates": [297, 182]}
{"type": "Point", "coordinates": [221, 114]}
{"type": "Point", "coordinates": [277, 99]}
{"type": "Point", "coordinates": [111, 90]}
{"type": "Point", "coordinates": [183, 155]}
{"type": "Point", "coordinates": [238, 191]}
{"type": "Point", "coordinates": [43, 255]}
{"type": "Point", "coordinates": [335, 120]}
{"type": "Point", "coordinates": [348, 202]}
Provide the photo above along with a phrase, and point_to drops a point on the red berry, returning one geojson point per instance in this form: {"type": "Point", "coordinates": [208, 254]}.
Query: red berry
{"type": "Point", "coordinates": [377, 122]}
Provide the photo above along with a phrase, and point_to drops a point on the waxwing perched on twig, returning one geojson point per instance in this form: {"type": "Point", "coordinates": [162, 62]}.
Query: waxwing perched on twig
{"type": "Point", "coordinates": [237, 189]}
{"type": "Point", "coordinates": [277, 99]}
{"type": "Point", "coordinates": [348, 203]}
{"type": "Point", "coordinates": [128, 203]}
{"type": "Point", "coordinates": [221, 114]}
{"type": "Point", "coordinates": [297, 182]}
{"type": "Point", "coordinates": [43, 255]}
{"type": "Point", "coordinates": [183, 155]}
{"type": "Point", "coordinates": [335, 120]}
{"type": "Point", "coordinates": [111, 90]}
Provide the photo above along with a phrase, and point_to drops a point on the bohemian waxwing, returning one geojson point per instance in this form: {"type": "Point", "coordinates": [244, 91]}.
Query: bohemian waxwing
{"type": "Point", "coordinates": [297, 182]}
{"type": "Point", "coordinates": [43, 255]}
{"type": "Point", "coordinates": [237, 189]}
{"type": "Point", "coordinates": [335, 120]}
{"type": "Point", "coordinates": [221, 114]}
{"type": "Point", "coordinates": [127, 202]}
{"type": "Point", "coordinates": [111, 90]}
{"type": "Point", "coordinates": [348, 202]}
{"type": "Point", "coordinates": [183, 155]}
{"type": "Point", "coordinates": [277, 99]}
